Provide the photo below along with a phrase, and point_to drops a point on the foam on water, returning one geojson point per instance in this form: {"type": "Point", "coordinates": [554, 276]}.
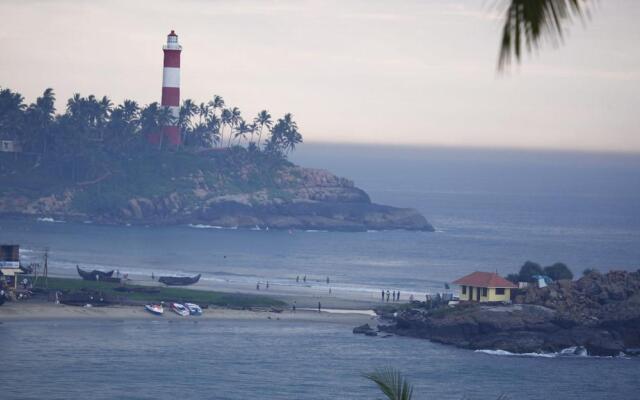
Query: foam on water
{"type": "Point", "coordinates": [49, 219]}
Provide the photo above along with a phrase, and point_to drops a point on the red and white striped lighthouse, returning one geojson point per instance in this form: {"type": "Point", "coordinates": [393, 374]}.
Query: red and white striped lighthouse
{"type": "Point", "coordinates": [171, 87]}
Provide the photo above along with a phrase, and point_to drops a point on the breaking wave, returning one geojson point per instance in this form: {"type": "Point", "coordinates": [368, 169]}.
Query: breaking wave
{"type": "Point", "coordinates": [49, 219]}
{"type": "Point", "coordinates": [575, 351]}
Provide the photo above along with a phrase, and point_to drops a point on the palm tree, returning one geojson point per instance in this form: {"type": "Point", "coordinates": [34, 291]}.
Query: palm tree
{"type": "Point", "coordinates": [392, 383]}
{"type": "Point", "coordinates": [528, 22]}
{"type": "Point", "coordinates": [41, 116]}
{"type": "Point", "coordinates": [242, 129]}
{"type": "Point", "coordinates": [203, 111]}
{"type": "Point", "coordinates": [216, 103]}
{"type": "Point", "coordinates": [187, 111]}
{"type": "Point", "coordinates": [234, 120]}
{"type": "Point", "coordinates": [213, 129]}
{"type": "Point", "coordinates": [225, 119]}
{"type": "Point", "coordinates": [263, 119]}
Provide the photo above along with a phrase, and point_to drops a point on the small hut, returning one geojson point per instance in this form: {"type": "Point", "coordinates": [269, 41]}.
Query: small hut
{"type": "Point", "coordinates": [485, 287]}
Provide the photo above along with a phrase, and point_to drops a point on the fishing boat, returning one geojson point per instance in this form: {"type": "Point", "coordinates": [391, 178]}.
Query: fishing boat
{"type": "Point", "coordinates": [96, 275]}
{"type": "Point", "coordinates": [194, 309]}
{"type": "Point", "coordinates": [179, 309]}
{"type": "Point", "coordinates": [155, 309]}
{"type": "Point", "coordinates": [179, 280]}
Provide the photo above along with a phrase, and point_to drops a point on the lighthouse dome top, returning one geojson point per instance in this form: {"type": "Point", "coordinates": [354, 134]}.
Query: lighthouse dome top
{"type": "Point", "coordinates": [172, 42]}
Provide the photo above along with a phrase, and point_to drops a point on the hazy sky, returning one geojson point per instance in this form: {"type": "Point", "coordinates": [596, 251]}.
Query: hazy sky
{"type": "Point", "coordinates": [401, 72]}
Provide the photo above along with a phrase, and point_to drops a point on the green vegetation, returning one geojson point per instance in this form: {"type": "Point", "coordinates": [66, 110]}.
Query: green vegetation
{"type": "Point", "coordinates": [529, 269]}
{"type": "Point", "coordinates": [97, 145]}
{"type": "Point", "coordinates": [395, 386]}
{"type": "Point", "coordinates": [202, 297]}
{"type": "Point", "coordinates": [102, 152]}
{"type": "Point", "coordinates": [392, 383]}
{"type": "Point", "coordinates": [528, 22]}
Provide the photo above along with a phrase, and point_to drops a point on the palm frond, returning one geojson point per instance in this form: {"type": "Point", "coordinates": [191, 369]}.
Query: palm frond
{"type": "Point", "coordinates": [392, 383]}
{"type": "Point", "coordinates": [528, 22]}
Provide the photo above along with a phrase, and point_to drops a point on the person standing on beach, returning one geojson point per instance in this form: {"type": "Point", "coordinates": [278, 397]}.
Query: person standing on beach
{"type": "Point", "coordinates": [293, 307]}
{"type": "Point", "coordinates": [388, 295]}
{"type": "Point", "coordinates": [298, 279]}
{"type": "Point", "coordinates": [304, 279]}
{"type": "Point", "coordinates": [327, 280]}
{"type": "Point", "coordinates": [267, 284]}
{"type": "Point", "coordinates": [398, 295]}
{"type": "Point", "coordinates": [258, 286]}
{"type": "Point", "coordinates": [319, 307]}
{"type": "Point", "coordinates": [383, 295]}
{"type": "Point", "coordinates": [394, 295]}
{"type": "Point", "coordinates": [153, 277]}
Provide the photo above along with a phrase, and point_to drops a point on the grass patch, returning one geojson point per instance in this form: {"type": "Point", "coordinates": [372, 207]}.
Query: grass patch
{"type": "Point", "coordinates": [202, 297]}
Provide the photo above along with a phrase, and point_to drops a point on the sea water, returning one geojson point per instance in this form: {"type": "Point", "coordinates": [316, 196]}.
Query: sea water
{"type": "Point", "coordinates": [492, 211]}
{"type": "Point", "coordinates": [270, 359]}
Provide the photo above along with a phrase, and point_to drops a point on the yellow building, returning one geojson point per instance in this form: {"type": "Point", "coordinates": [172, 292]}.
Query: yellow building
{"type": "Point", "coordinates": [485, 287]}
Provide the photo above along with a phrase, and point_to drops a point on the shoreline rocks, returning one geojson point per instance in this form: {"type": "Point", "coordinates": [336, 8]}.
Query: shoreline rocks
{"type": "Point", "coordinates": [603, 325]}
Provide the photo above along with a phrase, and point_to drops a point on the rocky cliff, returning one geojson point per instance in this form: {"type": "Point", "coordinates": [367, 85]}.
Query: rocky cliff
{"type": "Point", "coordinates": [288, 197]}
{"type": "Point", "coordinates": [600, 313]}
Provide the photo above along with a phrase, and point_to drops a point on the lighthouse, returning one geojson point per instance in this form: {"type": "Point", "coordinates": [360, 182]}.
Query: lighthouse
{"type": "Point", "coordinates": [171, 87]}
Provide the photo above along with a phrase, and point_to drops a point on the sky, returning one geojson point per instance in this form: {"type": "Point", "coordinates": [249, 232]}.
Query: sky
{"type": "Point", "coordinates": [401, 72]}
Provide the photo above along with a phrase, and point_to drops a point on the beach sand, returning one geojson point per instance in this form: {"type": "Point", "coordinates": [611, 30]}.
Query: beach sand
{"type": "Point", "coordinates": [36, 310]}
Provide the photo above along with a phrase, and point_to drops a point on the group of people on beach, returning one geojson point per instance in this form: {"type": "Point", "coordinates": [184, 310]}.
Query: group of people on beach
{"type": "Point", "coordinates": [395, 295]}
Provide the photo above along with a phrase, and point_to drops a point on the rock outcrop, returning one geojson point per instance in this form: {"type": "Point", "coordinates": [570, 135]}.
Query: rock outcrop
{"type": "Point", "coordinates": [598, 312]}
{"type": "Point", "coordinates": [298, 198]}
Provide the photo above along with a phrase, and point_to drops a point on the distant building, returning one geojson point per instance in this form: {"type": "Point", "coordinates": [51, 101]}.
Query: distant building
{"type": "Point", "coordinates": [485, 287]}
{"type": "Point", "coordinates": [10, 264]}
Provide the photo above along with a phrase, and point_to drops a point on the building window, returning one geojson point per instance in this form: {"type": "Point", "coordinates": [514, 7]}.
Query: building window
{"type": "Point", "coordinates": [484, 292]}
{"type": "Point", "coordinates": [500, 291]}
{"type": "Point", "coordinates": [464, 290]}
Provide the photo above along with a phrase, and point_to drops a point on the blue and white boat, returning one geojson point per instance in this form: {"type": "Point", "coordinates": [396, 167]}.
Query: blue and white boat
{"type": "Point", "coordinates": [194, 309]}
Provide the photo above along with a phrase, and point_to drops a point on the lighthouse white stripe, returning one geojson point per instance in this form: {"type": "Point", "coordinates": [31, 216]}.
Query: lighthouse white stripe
{"type": "Point", "coordinates": [171, 77]}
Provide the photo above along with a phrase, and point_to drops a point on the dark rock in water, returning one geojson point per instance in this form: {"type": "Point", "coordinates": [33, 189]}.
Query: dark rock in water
{"type": "Point", "coordinates": [365, 330]}
{"type": "Point", "coordinates": [561, 316]}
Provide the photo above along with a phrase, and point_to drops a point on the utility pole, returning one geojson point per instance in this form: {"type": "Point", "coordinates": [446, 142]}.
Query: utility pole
{"type": "Point", "coordinates": [46, 268]}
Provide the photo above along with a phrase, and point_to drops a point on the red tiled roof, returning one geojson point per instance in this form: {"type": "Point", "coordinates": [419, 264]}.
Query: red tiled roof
{"type": "Point", "coordinates": [485, 279]}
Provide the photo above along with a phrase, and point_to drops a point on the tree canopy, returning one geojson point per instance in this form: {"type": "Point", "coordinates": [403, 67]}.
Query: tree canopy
{"type": "Point", "coordinates": [80, 143]}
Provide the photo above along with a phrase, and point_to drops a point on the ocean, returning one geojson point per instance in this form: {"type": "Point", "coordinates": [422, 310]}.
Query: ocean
{"type": "Point", "coordinates": [492, 210]}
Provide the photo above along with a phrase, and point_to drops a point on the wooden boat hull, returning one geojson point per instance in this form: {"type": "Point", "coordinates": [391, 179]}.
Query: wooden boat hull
{"type": "Point", "coordinates": [179, 281]}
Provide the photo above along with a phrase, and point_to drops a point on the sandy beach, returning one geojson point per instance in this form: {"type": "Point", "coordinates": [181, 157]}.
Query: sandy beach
{"type": "Point", "coordinates": [36, 310]}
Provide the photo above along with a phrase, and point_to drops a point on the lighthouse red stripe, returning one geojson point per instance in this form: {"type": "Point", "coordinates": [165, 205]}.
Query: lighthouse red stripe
{"type": "Point", "coordinates": [170, 96]}
{"type": "Point", "coordinates": [172, 134]}
{"type": "Point", "coordinates": [172, 58]}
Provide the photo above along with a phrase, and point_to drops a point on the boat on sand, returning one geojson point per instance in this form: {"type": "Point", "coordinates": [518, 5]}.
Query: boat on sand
{"type": "Point", "coordinates": [179, 309]}
{"type": "Point", "coordinates": [179, 280]}
{"type": "Point", "coordinates": [155, 309]}
{"type": "Point", "coordinates": [194, 309]}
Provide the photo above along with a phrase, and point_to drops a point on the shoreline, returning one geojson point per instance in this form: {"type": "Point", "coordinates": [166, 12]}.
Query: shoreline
{"type": "Point", "coordinates": [31, 311]}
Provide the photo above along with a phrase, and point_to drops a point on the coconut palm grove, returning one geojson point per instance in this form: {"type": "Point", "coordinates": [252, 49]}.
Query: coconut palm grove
{"type": "Point", "coordinates": [92, 135]}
